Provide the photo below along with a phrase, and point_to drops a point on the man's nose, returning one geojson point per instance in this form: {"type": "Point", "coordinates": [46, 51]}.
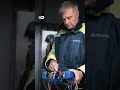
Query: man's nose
{"type": "Point", "coordinates": [66, 21]}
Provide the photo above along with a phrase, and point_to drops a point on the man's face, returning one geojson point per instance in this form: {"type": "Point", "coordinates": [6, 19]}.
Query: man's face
{"type": "Point", "coordinates": [70, 18]}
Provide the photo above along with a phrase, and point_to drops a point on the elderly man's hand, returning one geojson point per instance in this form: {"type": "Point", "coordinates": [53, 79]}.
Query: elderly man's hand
{"type": "Point", "coordinates": [53, 65]}
{"type": "Point", "coordinates": [78, 75]}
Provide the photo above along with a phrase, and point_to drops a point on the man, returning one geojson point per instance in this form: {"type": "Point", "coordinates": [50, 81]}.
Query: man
{"type": "Point", "coordinates": [68, 50]}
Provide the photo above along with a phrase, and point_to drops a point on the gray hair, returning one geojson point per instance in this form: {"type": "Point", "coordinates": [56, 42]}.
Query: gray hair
{"type": "Point", "coordinates": [67, 5]}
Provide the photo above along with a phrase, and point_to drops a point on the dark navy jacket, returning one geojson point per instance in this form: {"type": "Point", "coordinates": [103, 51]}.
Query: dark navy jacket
{"type": "Point", "coordinates": [102, 52]}
{"type": "Point", "coordinates": [70, 48]}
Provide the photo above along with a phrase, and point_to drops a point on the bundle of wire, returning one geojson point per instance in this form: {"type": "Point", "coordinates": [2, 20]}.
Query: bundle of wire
{"type": "Point", "coordinates": [55, 78]}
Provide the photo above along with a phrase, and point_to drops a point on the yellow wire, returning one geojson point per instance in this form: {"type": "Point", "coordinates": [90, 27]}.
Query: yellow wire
{"type": "Point", "coordinates": [76, 85]}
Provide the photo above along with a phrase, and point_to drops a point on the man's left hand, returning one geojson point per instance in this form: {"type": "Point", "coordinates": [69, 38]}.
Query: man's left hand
{"type": "Point", "coordinates": [78, 75]}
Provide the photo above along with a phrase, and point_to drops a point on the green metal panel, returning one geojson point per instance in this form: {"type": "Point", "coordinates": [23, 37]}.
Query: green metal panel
{"type": "Point", "coordinates": [114, 8]}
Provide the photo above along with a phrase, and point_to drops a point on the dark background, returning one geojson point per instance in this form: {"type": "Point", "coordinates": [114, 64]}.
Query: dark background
{"type": "Point", "coordinates": [7, 45]}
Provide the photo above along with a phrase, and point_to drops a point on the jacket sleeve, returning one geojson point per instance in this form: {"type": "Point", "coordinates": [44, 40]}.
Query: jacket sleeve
{"type": "Point", "coordinates": [82, 68]}
{"type": "Point", "coordinates": [117, 28]}
{"type": "Point", "coordinates": [51, 55]}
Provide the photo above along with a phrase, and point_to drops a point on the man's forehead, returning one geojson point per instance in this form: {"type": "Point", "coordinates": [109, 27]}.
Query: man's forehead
{"type": "Point", "coordinates": [67, 16]}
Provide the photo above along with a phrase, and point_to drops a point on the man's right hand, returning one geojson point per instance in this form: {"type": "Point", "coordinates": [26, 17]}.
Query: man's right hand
{"type": "Point", "coordinates": [53, 65]}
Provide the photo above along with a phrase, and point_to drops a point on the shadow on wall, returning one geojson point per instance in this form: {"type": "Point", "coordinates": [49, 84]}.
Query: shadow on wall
{"type": "Point", "coordinates": [22, 44]}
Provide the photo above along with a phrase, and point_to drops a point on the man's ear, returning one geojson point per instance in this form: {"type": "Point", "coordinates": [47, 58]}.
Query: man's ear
{"type": "Point", "coordinates": [78, 14]}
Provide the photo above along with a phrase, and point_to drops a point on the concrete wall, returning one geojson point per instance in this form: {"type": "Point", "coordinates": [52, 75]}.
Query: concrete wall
{"type": "Point", "coordinates": [23, 19]}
